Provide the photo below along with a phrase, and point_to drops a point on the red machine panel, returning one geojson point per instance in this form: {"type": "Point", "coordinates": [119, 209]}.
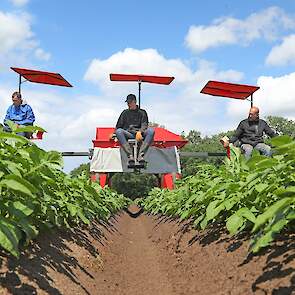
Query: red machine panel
{"type": "Point", "coordinates": [163, 138]}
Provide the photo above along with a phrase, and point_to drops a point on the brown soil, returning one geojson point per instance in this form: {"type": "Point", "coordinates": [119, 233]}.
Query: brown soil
{"type": "Point", "coordinates": [140, 254]}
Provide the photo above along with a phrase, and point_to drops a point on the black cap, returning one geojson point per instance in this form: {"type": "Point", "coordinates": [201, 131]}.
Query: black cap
{"type": "Point", "coordinates": [130, 97]}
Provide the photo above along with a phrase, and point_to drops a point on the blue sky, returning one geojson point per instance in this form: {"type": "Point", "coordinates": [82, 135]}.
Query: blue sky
{"type": "Point", "coordinates": [251, 42]}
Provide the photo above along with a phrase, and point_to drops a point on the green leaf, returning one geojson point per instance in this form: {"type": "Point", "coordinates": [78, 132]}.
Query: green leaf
{"type": "Point", "coordinates": [73, 209]}
{"type": "Point", "coordinates": [19, 184]}
{"type": "Point", "coordinates": [9, 237]}
{"type": "Point", "coordinates": [14, 168]}
{"type": "Point", "coordinates": [14, 137]}
{"type": "Point", "coordinates": [270, 213]}
{"type": "Point", "coordinates": [204, 223]}
{"type": "Point", "coordinates": [30, 230]}
{"type": "Point", "coordinates": [82, 217]}
{"type": "Point", "coordinates": [291, 215]}
{"type": "Point", "coordinates": [29, 129]}
{"type": "Point", "coordinates": [212, 211]}
{"type": "Point", "coordinates": [247, 213]}
{"type": "Point", "coordinates": [25, 209]}
{"type": "Point", "coordinates": [261, 187]}
{"type": "Point", "coordinates": [269, 236]}
{"type": "Point", "coordinates": [234, 222]}
{"type": "Point", "coordinates": [281, 140]}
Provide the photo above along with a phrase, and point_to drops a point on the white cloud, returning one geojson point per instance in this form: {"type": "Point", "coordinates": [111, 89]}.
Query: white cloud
{"type": "Point", "coordinates": [42, 55]}
{"type": "Point", "coordinates": [71, 123]}
{"type": "Point", "coordinates": [17, 39]}
{"type": "Point", "coordinates": [19, 3]}
{"type": "Point", "coordinates": [147, 61]}
{"type": "Point", "coordinates": [276, 97]}
{"type": "Point", "coordinates": [266, 24]}
{"type": "Point", "coordinates": [282, 54]}
{"type": "Point", "coordinates": [179, 106]}
{"type": "Point", "coordinates": [15, 32]}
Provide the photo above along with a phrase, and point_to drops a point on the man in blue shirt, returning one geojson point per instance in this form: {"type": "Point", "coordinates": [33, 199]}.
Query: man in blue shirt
{"type": "Point", "coordinates": [20, 113]}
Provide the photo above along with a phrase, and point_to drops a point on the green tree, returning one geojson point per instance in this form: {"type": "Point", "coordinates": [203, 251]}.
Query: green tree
{"type": "Point", "coordinates": [198, 144]}
{"type": "Point", "coordinates": [282, 125]}
{"type": "Point", "coordinates": [134, 185]}
{"type": "Point", "coordinates": [83, 169]}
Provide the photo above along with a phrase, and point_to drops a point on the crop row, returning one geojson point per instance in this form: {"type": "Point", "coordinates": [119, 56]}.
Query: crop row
{"type": "Point", "coordinates": [257, 195]}
{"type": "Point", "coordinates": [35, 195]}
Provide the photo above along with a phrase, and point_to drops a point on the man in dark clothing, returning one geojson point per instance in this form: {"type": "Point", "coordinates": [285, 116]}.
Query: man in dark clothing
{"type": "Point", "coordinates": [250, 134]}
{"type": "Point", "coordinates": [133, 124]}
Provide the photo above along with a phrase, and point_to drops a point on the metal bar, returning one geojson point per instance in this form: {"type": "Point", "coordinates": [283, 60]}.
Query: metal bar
{"type": "Point", "coordinates": [201, 154]}
{"type": "Point", "coordinates": [181, 154]}
{"type": "Point", "coordinates": [75, 154]}
{"type": "Point", "coordinates": [251, 100]}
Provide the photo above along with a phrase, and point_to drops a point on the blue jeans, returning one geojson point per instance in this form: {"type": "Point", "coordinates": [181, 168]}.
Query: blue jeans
{"type": "Point", "coordinates": [123, 135]}
{"type": "Point", "coordinates": [261, 147]}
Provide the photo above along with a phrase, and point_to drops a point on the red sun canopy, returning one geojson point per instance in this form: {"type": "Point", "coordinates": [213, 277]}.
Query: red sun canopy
{"type": "Point", "coordinates": [42, 77]}
{"type": "Point", "coordinates": [238, 91]}
{"type": "Point", "coordinates": [142, 78]}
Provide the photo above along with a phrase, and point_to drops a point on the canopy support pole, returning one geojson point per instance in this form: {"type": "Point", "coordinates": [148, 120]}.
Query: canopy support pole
{"type": "Point", "coordinates": [19, 83]}
{"type": "Point", "coordinates": [251, 100]}
{"type": "Point", "coordinates": [139, 90]}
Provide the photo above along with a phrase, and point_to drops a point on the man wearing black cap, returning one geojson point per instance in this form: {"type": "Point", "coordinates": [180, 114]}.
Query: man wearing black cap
{"type": "Point", "coordinates": [133, 124]}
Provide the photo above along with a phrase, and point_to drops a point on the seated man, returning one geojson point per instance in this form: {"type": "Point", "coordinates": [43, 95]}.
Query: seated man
{"type": "Point", "coordinates": [133, 123]}
{"type": "Point", "coordinates": [250, 134]}
{"type": "Point", "coordinates": [20, 113]}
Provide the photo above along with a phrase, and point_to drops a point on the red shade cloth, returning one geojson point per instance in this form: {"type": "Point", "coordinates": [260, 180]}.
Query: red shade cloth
{"type": "Point", "coordinates": [142, 78]}
{"type": "Point", "coordinates": [238, 91]}
{"type": "Point", "coordinates": [42, 77]}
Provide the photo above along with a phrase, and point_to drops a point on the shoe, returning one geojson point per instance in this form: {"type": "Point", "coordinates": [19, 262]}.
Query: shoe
{"type": "Point", "coordinates": [143, 149]}
{"type": "Point", "coordinates": [141, 159]}
{"type": "Point", "coordinates": [131, 160]}
{"type": "Point", "coordinates": [127, 149]}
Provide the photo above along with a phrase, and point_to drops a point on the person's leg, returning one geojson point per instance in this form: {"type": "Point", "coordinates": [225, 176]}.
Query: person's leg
{"type": "Point", "coordinates": [123, 135]}
{"type": "Point", "coordinates": [148, 139]}
{"type": "Point", "coordinates": [264, 149]}
{"type": "Point", "coordinates": [24, 134]}
{"type": "Point", "coordinates": [149, 135]}
{"type": "Point", "coordinates": [247, 149]}
{"type": "Point", "coordinates": [6, 128]}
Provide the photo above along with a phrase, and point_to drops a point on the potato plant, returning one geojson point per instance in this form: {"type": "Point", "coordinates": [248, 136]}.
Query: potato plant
{"type": "Point", "coordinates": [256, 195]}
{"type": "Point", "coordinates": [35, 195]}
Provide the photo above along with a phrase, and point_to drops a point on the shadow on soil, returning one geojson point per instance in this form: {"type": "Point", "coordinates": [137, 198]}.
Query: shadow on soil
{"type": "Point", "coordinates": [134, 213]}
{"type": "Point", "coordinates": [278, 257]}
{"type": "Point", "coordinates": [51, 251]}
{"type": "Point", "coordinates": [278, 265]}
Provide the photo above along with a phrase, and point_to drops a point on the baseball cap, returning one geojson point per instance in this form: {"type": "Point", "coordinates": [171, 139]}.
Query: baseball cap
{"type": "Point", "coordinates": [130, 97]}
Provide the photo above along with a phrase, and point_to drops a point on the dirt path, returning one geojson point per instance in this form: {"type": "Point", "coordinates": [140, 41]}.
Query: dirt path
{"type": "Point", "coordinates": [148, 255]}
{"type": "Point", "coordinates": [135, 260]}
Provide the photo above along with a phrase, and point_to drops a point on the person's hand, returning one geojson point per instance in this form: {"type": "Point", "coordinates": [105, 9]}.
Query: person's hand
{"type": "Point", "coordinates": [138, 136]}
{"type": "Point", "coordinates": [225, 141]}
{"type": "Point", "coordinates": [225, 144]}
